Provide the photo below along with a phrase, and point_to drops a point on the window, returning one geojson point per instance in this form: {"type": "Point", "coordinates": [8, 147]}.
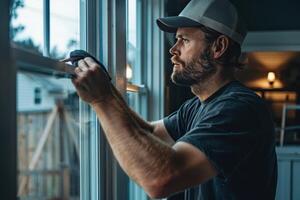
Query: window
{"type": "Point", "coordinates": [37, 96]}
{"type": "Point", "coordinates": [133, 69]}
{"type": "Point", "coordinates": [144, 88]}
{"type": "Point", "coordinates": [48, 27]}
{"type": "Point", "coordinates": [132, 51]}
{"type": "Point", "coordinates": [27, 25]}
{"type": "Point", "coordinates": [54, 128]}
{"type": "Point", "coordinates": [48, 118]}
{"type": "Point", "coordinates": [48, 138]}
{"type": "Point", "coordinates": [64, 27]}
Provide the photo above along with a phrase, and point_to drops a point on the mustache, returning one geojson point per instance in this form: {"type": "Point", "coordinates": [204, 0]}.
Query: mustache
{"type": "Point", "coordinates": [176, 60]}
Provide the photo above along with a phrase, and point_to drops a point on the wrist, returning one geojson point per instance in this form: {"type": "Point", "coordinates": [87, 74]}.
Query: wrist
{"type": "Point", "coordinates": [102, 101]}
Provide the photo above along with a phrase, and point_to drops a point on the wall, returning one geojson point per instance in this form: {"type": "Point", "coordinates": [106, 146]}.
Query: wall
{"type": "Point", "coordinates": [288, 173]}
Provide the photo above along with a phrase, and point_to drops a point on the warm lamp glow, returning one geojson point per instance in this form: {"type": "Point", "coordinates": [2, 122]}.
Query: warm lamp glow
{"type": "Point", "coordinates": [271, 78]}
{"type": "Point", "coordinates": [128, 72]}
{"type": "Point", "coordinates": [272, 61]}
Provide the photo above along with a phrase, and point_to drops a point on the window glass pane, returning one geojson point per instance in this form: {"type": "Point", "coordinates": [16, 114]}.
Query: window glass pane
{"type": "Point", "coordinates": [48, 138]}
{"type": "Point", "coordinates": [132, 99]}
{"type": "Point", "coordinates": [132, 53]}
{"type": "Point", "coordinates": [64, 27]}
{"type": "Point", "coordinates": [27, 24]}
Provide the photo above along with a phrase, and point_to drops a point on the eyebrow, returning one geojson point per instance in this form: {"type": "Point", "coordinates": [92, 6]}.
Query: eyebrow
{"type": "Point", "coordinates": [180, 36]}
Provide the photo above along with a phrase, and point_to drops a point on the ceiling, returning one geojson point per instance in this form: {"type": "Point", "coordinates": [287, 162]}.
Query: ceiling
{"type": "Point", "coordinates": [260, 15]}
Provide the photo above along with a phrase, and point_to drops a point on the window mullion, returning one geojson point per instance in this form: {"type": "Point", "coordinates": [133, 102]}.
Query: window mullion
{"type": "Point", "coordinates": [46, 27]}
{"type": "Point", "coordinates": [153, 61]}
{"type": "Point", "coordinates": [92, 148]}
{"type": "Point", "coordinates": [113, 52]}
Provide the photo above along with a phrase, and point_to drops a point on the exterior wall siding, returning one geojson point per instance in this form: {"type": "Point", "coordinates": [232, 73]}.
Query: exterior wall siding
{"type": "Point", "coordinates": [25, 97]}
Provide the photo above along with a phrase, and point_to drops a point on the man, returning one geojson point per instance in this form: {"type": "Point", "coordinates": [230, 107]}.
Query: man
{"type": "Point", "coordinates": [219, 144]}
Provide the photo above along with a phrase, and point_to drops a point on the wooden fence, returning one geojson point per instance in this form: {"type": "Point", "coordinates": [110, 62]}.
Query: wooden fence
{"type": "Point", "coordinates": [48, 161]}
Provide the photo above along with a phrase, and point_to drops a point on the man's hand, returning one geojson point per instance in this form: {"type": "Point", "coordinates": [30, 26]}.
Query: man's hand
{"type": "Point", "coordinates": [91, 83]}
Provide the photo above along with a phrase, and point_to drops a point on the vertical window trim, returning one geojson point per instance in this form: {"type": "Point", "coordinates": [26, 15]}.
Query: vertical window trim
{"type": "Point", "coordinates": [113, 55]}
{"type": "Point", "coordinates": [8, 144]}
{"type": "Point", "coordinates": [150, 67]}
{"type": "Point", "coordinates": [103, 36]}
{"type": "Point", "coordinates": [114, 184]}
{"type": "Point", "coordinates": [153, 61]}
{"type": "Point", "coordinates": [141, 91]}
{"type": "Point", "coordinates": [46, 27]}
{"type": "Point", "coordinates": [91, 139]}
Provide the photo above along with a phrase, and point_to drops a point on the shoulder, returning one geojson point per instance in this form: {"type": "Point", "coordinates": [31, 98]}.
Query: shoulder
{"type": "Point", "coordinates": [238, 95]}
{"type": "Point", "coordinates": [190, 102]}
{"type": "Point", "coordinates": [240, 106]}
{"type": "Point", "coordinates": [189, 106]}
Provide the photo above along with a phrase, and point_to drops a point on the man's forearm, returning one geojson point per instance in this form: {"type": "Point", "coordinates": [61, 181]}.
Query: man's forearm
{"type": "Point", "coordinates": [141, 122]}
{"type": "Point", "coordinates": [144, 157]}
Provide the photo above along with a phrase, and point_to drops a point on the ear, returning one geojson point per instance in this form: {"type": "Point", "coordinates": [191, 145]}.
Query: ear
{"type": "Point", "coordinates": [220, 46]}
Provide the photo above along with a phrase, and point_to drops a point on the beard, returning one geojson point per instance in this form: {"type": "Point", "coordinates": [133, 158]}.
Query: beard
{"type": "Point", "coordinates": [194, 71]}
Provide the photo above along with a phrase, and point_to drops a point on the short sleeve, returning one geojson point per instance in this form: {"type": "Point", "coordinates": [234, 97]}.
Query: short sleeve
{"type": "Point", "coordinates": [175, 123]}
{"type": "Point", "coordinates": [172, 125]}
{"type": "Point", "coordinates": [227, 136]}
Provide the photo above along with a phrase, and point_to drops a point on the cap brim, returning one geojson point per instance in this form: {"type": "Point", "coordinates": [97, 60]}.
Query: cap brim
{"type": "Point", "coordinates": [171, 24]}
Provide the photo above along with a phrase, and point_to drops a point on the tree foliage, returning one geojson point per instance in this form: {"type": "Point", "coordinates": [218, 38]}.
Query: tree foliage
{"type": "Point", "coordinates": [15, 5]}
{"type": "Point", "coordinates": [28, 43]}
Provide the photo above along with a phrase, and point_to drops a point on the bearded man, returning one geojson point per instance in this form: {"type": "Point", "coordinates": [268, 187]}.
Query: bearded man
{"type": "Point", "coordinates": [219, 144]}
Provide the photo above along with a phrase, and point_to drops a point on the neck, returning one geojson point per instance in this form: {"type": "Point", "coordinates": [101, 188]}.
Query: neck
{"type": "Point", "coordinates": [207, 87]}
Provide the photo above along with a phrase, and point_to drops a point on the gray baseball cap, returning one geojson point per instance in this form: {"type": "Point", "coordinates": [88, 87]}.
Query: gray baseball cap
{"type": "Point", "coordinates": [219, 15]}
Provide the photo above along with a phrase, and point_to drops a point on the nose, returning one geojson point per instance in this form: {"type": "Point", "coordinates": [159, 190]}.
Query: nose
{"type": "Point", "coordinates": [174, 50]}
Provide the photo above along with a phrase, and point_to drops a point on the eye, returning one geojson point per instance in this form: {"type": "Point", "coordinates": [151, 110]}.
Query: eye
{"type": "Point", "coordinates": [181, 39]}
{"type": "Point", "coordinates": [185, 40]}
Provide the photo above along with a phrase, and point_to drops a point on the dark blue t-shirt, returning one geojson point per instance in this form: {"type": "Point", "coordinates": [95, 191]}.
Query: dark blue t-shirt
{"type": "Point", "coordinates": [235, 130]}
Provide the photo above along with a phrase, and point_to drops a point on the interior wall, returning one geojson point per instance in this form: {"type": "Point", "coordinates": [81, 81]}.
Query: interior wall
{"type": "Point", "coordinates": [283, 64]}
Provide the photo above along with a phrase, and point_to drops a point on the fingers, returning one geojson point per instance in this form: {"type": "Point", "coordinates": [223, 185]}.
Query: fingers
{"type": "Point", "coordinates": [91, 63]}
{"type": "Point", "coordinates": [82, 68]}
{"type": "Point", "coordinates": [80, 81]}
{"type": "Point", "coordinates": [79, 84]}
{"type": "Point", "coordinates": [84, 73]}
{"type": "Point", "coordinates": [87, 64]}
{"type": "Point", "coordinates": [83, 65]}
{"type": "Point", "coordinates": [88, 73]}
{"type": "Point", "coordinates": [91, 82]}
{"type": "Point", "coordinates": [95, 67]}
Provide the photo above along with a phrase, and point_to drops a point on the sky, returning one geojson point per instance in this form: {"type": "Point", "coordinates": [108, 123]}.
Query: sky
{"type": "Point", "coordinates": [64, 22]}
